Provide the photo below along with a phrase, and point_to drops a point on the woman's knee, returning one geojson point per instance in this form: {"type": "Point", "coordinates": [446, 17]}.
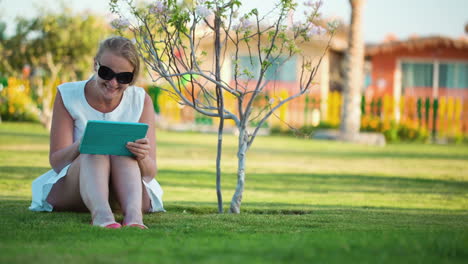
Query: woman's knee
{"type": "Point", "coordinates": [126, 160]}
{"type": "Point", "coordinates": [94, 158]}
{"type": "Point", "coordinates": [94, 164]}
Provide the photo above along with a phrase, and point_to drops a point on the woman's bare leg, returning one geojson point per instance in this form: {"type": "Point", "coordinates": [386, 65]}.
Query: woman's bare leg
{"type": "Point", "coordinates": [94, 187]}
{"type": "Point", "coordinates": [128, 188]}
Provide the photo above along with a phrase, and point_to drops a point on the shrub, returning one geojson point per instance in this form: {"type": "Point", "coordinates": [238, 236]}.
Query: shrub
{"type": "Point", "coordinates": [408, 130]}
{"type": "Point", "coordinates": [306, 131]}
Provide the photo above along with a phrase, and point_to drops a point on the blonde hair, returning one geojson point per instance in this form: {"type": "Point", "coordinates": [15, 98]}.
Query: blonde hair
{"type": "Point", "coordinates": [122, 47]}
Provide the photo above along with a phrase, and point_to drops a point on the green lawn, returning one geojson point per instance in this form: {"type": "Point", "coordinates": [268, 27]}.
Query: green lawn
{"type": "Point", "coordinates": [305, 202]}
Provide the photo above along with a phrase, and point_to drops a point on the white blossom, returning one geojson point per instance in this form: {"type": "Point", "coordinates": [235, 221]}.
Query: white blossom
{"type": "Point", "coordinates": [333, 25]}
{"type": "Point", "coordinates": [202, 11]}
{"type": "Point", "coordinates": [120, 23]}
{"type": "Point", "coordinates": [297, 25]}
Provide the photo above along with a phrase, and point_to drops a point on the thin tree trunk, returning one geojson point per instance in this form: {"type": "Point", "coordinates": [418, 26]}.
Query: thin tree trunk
{"type": "Point", "coordinates": [220, 104]}
{"type": "Point", "coordinates": [351, 110]}
{"type": "Point", "coordinates": [241, 156]}
{"type": "Point", "coordinates": [48, 90]}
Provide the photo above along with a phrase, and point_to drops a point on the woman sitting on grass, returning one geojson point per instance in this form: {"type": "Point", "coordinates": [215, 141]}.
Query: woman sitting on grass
{"type": "Point", "coordinates": [85, 182]}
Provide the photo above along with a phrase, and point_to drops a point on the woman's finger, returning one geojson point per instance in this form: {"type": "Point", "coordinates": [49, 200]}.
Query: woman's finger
{"type": "Point", "coordinates": [139, 152]}
{"type": "Point", "coordinates": [138, 145]}
{"type": "Point", "coordinates": [142, 141]}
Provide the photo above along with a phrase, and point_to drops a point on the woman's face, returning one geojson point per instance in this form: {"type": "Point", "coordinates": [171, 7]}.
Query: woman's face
{"type": "Point", "coordinates": [112, 89]}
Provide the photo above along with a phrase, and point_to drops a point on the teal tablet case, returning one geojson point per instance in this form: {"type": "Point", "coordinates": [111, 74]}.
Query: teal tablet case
{"type": "Point", "coordinates": [110, 138]}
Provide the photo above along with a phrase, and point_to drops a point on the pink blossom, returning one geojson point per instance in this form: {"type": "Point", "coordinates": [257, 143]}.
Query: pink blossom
{"type": "Point", "coordinates": [318, 4]}
{"type": "Point", "coordinates": [315, 30]}
{"type": "Point", "coordinates": [244, 24]}
{"type": "Point", "coordinates": [157, 7]}
{"type": "Point", "coordinates": [314, 4]}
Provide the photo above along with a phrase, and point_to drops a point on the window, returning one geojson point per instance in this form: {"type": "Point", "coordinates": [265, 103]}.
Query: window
{"type": "Point", "coordinates": [453, 75]}
{"type": "Point", "coordinates": [417, 75]}
{"type": "Point", "coordinates": [280, 70]}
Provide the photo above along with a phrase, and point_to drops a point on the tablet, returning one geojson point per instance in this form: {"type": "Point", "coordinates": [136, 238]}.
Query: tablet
{"type": "Point", "coordinates": [110, 138]}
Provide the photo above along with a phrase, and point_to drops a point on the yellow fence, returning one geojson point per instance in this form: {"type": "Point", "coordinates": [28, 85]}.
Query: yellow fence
{"type": "Point", "coordinates": [448, 117]}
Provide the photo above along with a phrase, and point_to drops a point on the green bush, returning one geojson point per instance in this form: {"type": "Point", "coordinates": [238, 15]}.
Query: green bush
{"type": "Point", "coordinates": [306, 131]}
{"type": "Point", "coordinates": [413, 134]}
{"type": "Point", "coordinates": [395, 132]}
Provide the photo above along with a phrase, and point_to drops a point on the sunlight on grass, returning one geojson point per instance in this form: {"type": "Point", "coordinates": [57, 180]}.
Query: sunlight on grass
{"type": "Point", "coordinates": [304, 201]}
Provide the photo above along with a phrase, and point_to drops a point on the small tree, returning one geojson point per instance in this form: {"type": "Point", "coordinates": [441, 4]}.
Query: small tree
{"type": "Point", "coordinates": [169, 37]}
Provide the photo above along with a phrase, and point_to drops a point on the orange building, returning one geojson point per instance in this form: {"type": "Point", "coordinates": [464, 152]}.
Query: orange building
{"type": "Point", "coordinates": [431, 67]}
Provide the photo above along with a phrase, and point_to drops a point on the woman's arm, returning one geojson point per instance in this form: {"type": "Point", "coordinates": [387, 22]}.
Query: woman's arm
{"type": "Point", "coordinates": [62, 149]}
{"type": "Point", "coordinates": [145, 148]}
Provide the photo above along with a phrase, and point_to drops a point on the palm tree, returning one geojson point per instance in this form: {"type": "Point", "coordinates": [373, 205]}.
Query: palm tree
{"type": "Point", "coordinates": [354, 64]}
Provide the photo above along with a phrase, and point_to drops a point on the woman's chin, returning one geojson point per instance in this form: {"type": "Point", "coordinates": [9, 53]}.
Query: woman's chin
{"type": "Point", "coordinates": [111, 93]}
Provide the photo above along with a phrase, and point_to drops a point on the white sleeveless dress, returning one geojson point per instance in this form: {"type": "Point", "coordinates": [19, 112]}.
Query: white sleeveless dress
{"type": "Point", "coordinates": [73, 97]}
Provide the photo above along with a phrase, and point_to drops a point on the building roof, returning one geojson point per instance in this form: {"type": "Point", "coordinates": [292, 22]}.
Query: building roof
{"type": "Point", "coordinates": [416, 43]}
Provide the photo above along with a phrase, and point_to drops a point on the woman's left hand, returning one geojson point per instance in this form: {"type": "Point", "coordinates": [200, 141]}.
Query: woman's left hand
{"type": "Point", "coordinates": [140, 148]}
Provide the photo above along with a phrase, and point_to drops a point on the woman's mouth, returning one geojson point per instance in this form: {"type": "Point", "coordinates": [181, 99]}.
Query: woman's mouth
{"type": "Point", "coordinates": [111, 90]}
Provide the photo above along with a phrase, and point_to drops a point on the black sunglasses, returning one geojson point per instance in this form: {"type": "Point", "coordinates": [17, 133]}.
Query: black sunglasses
{"type": "Point", "coordinates": [108, 74]}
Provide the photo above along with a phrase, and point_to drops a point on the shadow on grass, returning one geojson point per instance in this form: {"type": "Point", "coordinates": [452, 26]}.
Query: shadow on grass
{"type": "Point", "coordinates": [25, 135]}
{"type": "Point", "coordinates": [285, 183]}
{"type": "Point", "coordinates": [320, 183]}
{"type": "Point", "coordinates": [369, 155]}
{"type": "Point", "coordinates": [302, 209]}
{"type": "Point", "coordinates": [21, 173]}
{"type": "Point", "coordinates": [18, 205]}
{"type": "Point", "coordinates": [334, 152]}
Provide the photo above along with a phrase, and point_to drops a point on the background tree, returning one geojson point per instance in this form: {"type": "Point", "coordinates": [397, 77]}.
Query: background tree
{"type": "Point", "coordinates": [58, 47]}
{"type": "Point", "coordinates": [169, 37]}
{"type": "Point", "coordinates": [354, 70]}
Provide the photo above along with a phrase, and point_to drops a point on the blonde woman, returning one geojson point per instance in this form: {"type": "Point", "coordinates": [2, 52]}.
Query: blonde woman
{"type": "Point", "coordinates": [85, 182]}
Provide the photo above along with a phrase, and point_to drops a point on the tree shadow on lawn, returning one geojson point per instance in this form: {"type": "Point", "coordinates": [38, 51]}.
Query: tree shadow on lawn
{"type": "Point", "coordinates": [318, 182]}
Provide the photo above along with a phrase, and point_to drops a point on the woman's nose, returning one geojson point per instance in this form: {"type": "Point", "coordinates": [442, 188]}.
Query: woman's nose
{"type": "Point", "coordinates": [113, 82]}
